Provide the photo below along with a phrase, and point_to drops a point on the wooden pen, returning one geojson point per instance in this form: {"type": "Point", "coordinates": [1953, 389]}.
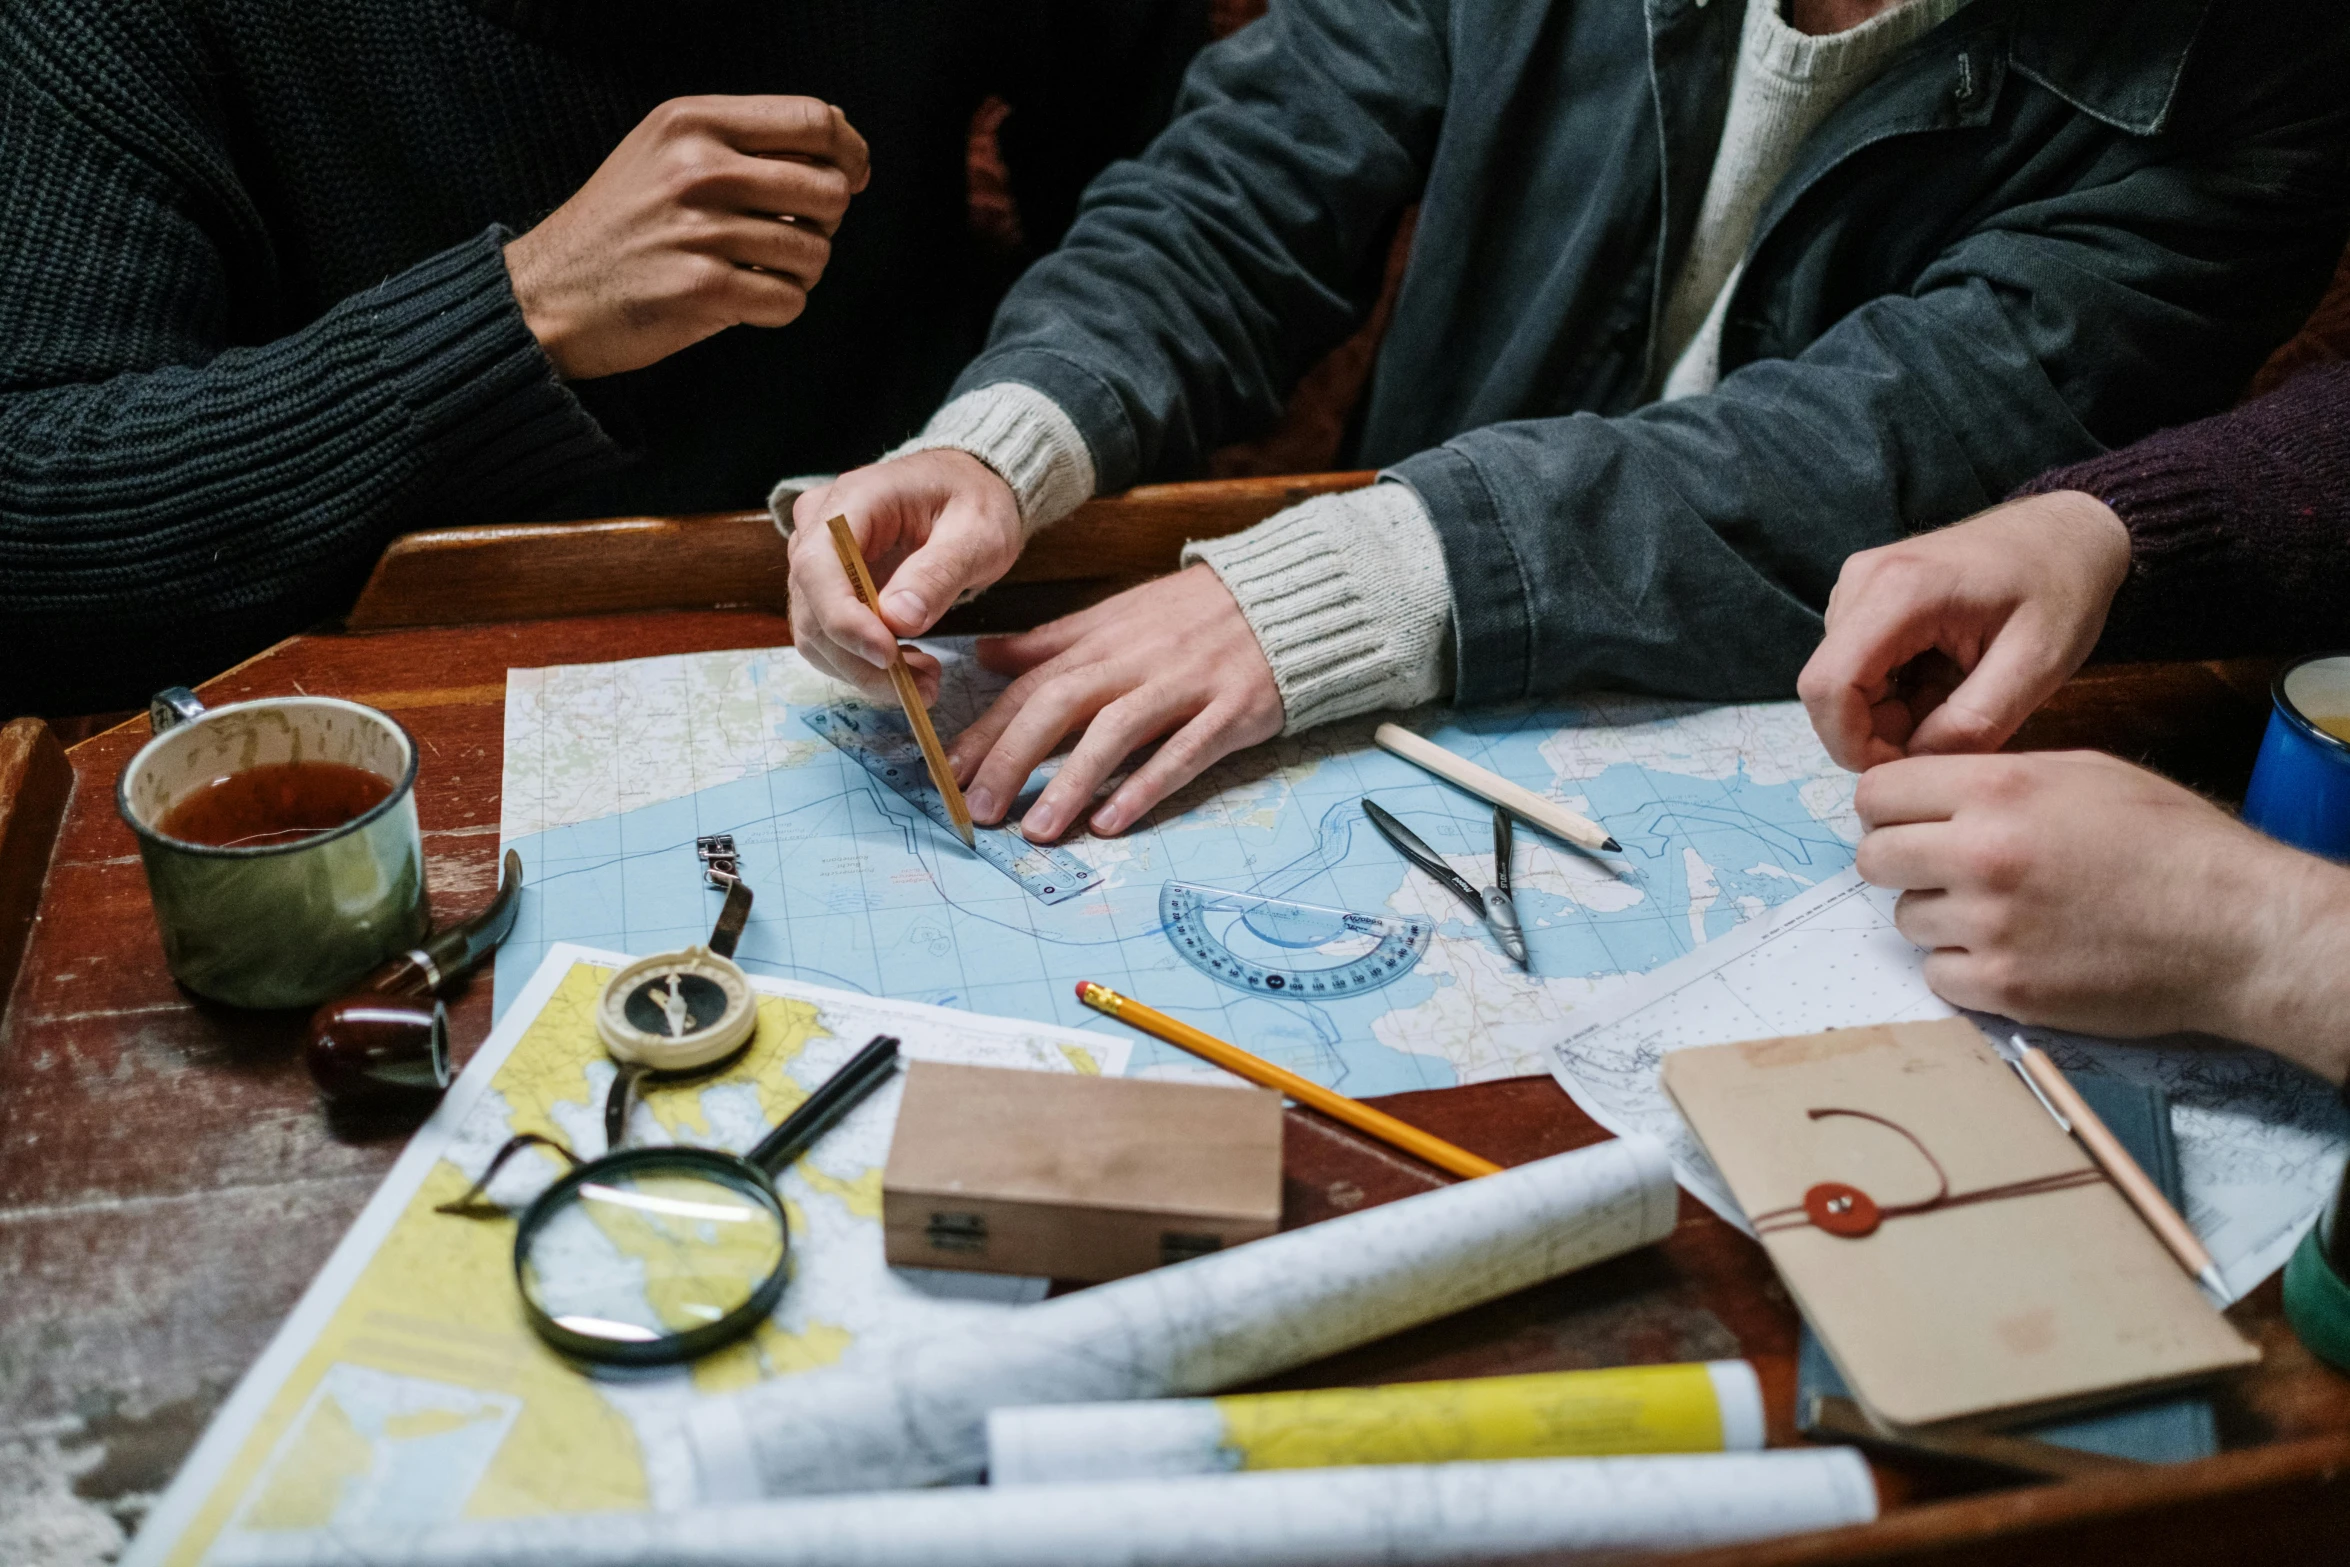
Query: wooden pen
{"type": "Point", "coordinates": [1256, 1069]}
{"type": "Point", "coordinates": [934, 756]}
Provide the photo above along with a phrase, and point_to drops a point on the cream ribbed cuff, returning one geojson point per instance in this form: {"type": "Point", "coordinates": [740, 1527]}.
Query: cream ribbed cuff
{"type": "Point", "coordinates": [1025, 437]}
{"type": "Point", "coordinates": [1348, 597]}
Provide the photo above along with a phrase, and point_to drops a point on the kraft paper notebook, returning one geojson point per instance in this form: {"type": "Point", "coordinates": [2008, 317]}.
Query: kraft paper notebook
{"type": "Point", "coordinates": [2171, 1427]}
{"type": "Point", "coordinates": [1960, 1256]}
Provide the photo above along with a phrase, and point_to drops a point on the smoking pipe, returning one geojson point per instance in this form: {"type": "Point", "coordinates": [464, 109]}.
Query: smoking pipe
{"type": "Point", "coordinates": [386, 1044]}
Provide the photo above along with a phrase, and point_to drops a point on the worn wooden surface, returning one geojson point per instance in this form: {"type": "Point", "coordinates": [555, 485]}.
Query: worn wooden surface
{"type": "Point", "coordinates": [168, 1185]}
{"type": "Point", "coordinates": [726, 560]}
{"type": "Point", "coordinates": [35, 780]}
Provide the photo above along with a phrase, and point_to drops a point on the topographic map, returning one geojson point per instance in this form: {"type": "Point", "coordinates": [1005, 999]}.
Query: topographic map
{"type": "Point", "coordinates": [2261, 1142]}
{"type": "Point", "coordinates": [612, 772]}
{"type": "Point", "coordinates": [406, 1388]}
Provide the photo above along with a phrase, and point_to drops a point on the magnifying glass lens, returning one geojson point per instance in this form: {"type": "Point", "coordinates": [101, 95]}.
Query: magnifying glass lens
{"type": "Point", "coordinates": [643, 1255]}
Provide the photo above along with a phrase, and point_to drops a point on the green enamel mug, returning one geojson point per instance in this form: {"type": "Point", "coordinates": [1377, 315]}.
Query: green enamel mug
{"type": "Point", "coordinates": [295, 917]}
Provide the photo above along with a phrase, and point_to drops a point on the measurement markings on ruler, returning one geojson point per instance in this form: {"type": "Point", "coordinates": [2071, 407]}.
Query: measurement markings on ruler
{"type": "Point", "coordinates": [880, 743]}
{"type": "Point", "coordinates": [1273, 947]}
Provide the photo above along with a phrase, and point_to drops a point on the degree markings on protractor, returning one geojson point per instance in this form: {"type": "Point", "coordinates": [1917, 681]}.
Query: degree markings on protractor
{"type": "Point", "coordinates": [1244, 939]}
{"type": "Point", "coordinates": [881, 744]}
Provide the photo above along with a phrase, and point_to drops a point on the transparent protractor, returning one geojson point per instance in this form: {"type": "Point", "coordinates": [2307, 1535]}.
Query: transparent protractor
{"type": "Point", "coordinates": [1279, 947]}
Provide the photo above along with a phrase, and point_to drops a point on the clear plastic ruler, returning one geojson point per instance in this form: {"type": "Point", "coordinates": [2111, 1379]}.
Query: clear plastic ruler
{"type": "Point", "coordinates": [883, 745]}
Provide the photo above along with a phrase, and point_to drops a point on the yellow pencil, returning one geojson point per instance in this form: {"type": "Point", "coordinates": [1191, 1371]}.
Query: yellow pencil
{"type": "Point", "coordinates": [1240, 1063]}
{"type": "Point", "coordinates": [934, 756]}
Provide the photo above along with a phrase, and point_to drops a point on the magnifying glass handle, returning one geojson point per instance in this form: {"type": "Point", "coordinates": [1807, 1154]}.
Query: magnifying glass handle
{"type": "Point", "coordinates": [835, 1097]}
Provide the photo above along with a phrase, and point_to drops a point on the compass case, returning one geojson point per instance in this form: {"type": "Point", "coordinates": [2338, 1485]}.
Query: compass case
{"type": "Point", "coordinates": [1056, 1175]}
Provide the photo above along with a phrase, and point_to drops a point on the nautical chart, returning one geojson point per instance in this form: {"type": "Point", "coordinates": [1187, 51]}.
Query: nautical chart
{"type": "Point", "coordinates": [406, 1390]}
{"type": "Point", "coordinates": [1258, 904]}
{"type": "Point", "coordinates": [2261, 1143]}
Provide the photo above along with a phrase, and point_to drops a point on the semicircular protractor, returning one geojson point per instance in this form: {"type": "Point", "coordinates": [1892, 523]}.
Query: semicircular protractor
{"type": "Point", "coordinates": [1274, 947]}
{"type": "Point", "coordinates": [677, 1010]}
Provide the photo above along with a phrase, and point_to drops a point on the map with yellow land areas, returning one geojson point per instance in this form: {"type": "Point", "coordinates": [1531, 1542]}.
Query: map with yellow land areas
{"type": "Point", "coordinates": [407, 1389]}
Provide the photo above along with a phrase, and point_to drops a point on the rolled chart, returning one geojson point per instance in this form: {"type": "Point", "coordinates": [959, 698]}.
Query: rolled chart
{"type": "Point", "coordinates": [1195, 1327]}
{"type": "Point", "coordinates": [1421, 1513]}
{"type": "Point", "coordinates": [1702, 1407]}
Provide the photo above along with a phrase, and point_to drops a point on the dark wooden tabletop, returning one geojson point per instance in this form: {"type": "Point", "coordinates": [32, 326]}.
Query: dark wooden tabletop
{"type": "Point", "coordinates": [168, 1184]}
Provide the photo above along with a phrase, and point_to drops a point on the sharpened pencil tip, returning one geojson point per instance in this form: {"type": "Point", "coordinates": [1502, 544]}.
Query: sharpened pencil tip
{"type": "Point", "coordinates": [1612, 847]}
{"type": "Point", "coordinates": [970, 840]}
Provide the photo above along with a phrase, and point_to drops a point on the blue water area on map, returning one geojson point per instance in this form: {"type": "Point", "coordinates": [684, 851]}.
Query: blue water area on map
{"type": "Point", "coordinates": [858, 890]}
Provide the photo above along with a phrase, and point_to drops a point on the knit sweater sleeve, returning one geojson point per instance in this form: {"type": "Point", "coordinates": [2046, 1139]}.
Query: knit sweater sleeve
{"type": "Point", "coordinates": [184, 471]}
{"type": "Point", "coordinates": [2239, 527]}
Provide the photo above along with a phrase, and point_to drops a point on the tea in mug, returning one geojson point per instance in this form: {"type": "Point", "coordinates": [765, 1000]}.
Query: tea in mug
{"type": "Point", "coordinates": [274, 803]}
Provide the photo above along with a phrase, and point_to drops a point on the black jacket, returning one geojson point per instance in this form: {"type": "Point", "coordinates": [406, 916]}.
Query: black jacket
{"type": "Point", "coordinates": [254, 319]}
{"type": "Point", "coordinates": [2048, 227]}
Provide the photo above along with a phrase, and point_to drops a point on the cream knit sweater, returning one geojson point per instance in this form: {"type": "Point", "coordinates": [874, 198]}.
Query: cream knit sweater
{"type": "Point", "coordinates": [1347, 594]}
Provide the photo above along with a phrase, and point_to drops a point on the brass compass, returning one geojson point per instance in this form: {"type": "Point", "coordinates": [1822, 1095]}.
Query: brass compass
{"type": "Point", "coordinates": [676, 1011]}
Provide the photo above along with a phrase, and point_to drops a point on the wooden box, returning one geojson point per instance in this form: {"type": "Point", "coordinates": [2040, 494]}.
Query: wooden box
{"type": "Point", "coordinates": [1074, 1177]}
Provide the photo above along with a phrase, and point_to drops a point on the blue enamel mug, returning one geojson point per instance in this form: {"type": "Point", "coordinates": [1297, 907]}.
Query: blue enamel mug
{"type": "Point", "coordinates": [2300, 791]}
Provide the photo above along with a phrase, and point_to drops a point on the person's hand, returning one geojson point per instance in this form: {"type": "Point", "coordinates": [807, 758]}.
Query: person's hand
{"type": "Point", "coordinates": [932, 525]}
{"type": "Point", "coordinates": [1945, 642]}
{"type": "Point", "coordinates": [1171, 658]}
{"type": "Point", "coordinates": [2074, 890]}
{"type": "Point", "coordinates": [713, 212]}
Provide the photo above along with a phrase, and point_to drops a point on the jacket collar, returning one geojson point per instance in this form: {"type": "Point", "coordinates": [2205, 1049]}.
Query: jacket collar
{"type": "Point", "coordinates": [2118, 60]}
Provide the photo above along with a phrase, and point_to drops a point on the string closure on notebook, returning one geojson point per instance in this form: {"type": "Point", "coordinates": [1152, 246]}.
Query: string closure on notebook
{"type": "Point", "coordinates": [1844, 1210]}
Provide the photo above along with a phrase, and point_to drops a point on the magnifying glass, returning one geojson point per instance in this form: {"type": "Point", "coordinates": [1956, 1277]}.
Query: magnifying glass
{"type": "Point", "coordinates": [651, 1256]}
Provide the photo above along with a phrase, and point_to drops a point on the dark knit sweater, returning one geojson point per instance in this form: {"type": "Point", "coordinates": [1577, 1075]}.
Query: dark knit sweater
{"type": "Point", "coordinates": [254, 319]}
{"type": "Point", "coordinates": [2239, 527]}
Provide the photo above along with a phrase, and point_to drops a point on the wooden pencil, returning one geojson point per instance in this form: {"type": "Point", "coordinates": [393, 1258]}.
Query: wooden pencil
{"type": "Point", "coordinates": [2135, 1185]}
{"type": "Point", "coordinates": [1257, 1070]}
{"type": "Point", "coordinates": [1493, 789]}
{"type": "Point", "coordinates": [934, 756]}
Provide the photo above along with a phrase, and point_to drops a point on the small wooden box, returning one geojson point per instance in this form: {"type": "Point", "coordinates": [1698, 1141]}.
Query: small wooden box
{"type": "Point", "coordinates": [1073, 1177]}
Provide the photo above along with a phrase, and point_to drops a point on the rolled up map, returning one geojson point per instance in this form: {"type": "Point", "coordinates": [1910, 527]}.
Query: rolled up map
{"type": "Point", "coordinates": [1195, 1327]}
{"type": "Point", "coordinates": [1327, 1517]}
{"type": "Point", "coordinates": [1710, 1407]}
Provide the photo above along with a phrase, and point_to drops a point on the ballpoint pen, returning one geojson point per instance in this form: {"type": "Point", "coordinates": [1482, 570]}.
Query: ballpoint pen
{"type": "Point", "coordinates": [1494, 906]}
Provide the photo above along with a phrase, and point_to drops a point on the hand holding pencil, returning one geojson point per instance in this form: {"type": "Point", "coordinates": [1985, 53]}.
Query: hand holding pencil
{"type": "Point", "coordinates": [934, 756]}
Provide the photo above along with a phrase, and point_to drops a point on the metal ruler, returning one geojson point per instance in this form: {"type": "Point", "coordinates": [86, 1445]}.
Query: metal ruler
{"type": "Point", "coordinates": [881, 743]}
{"type": "Point", "coordinates": [1273, 947]}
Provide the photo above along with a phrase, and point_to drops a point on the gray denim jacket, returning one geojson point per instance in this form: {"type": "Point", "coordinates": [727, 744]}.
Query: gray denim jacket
{"type": "Point", "coordinates": [2049, 227]}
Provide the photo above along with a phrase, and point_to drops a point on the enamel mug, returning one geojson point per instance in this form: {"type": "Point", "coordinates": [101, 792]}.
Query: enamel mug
{"type": "Point", "coordinates": [2300, 790]}
{"type": "Point", "coordinates": [284, 924]}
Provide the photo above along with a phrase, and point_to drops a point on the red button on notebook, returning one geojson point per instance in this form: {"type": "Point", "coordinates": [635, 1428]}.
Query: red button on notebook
{"type": "Point", "coordinates": [1842, 1210]}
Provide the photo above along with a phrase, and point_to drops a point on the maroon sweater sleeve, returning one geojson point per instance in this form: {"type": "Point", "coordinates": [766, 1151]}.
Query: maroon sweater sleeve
{"type": "Point", "coordinates": [2239, 527]}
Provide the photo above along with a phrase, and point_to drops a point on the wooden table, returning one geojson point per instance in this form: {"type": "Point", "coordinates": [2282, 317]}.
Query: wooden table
{"type": "Point", "coordinates": [168, 1184]}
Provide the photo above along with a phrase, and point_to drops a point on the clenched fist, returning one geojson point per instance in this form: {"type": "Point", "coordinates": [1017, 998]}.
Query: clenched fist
{"type": "Point", "coordinates": [714, 212]}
